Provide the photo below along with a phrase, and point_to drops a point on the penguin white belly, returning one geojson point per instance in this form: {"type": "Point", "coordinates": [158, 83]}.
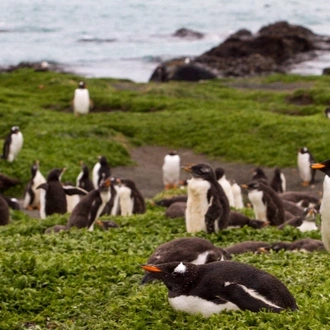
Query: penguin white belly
{"type": "Point", "coordinates": [38, 180]}
{"type": "Point", "coordinates": [105, 197]}
{"type": "Point", "coordinates": [194, 304]}
{"type": "Point", "coordinates": [201, 258]}
{"type": "Point", "coordinates": [325, 213]}
{"type": "Point", "coordinates": [115, 208]}
{"type": "Point", "coordinates": [79, 178]}
{"type": "Point", "coordinates": [171, 170]}
{"type": "Point", "coordinates": [72, 201]}
{"type": "Point", "coordinates": [307, 226]}
{"type": "Point", "coordinates": [226, 186]}
{"type": "Point", "coordinates": [283, 184]}
{"type": "Point", "coordinates": [95, 174]}
{"type": "Point", "coordinates": [43, 203]}
{"type": "Point", "coordinates": [15, 146]}
{"type": "Point", "coordinates": [81, 102]}
{"type": "Point", "coordinates": [126, 201]}
{"type": "Point", "coordinates": [237, 193]}
{"type": "Point", "coordinates": [197, 205]}
{"type": "Point", "coordinates": [304, 167]}
{"type": "Point", "coordinates": [260, 209]}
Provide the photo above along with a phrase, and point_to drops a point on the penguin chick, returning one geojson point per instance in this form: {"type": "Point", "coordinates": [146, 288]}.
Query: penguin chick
{"type": "Point", "coordinates": [7, 182]}
{"type": "Point", "coordinates": [278, 182]}
{"type": "Point", "coordinates": [12, 144]}
{"type": "Point", "coordinates": [106, 225]}
{"type": "Point", "coordinates": [207, 204]}
{"type": "Point", "coordinates": [101, 171]}
{"type": "Point", "coordinates": [32, 194]}
{"type": "Point", "coordinates": [218, 286]}
{"type": "Point", "coordinates": [81, 100]}
{"type": "Point", "coordinates": [302, 199]}
{"type": "Point", "coordinates": [191, 249]}
{"type": "Point", "coordinates": [171, 170]}
{"type": "Point", "coordinates": [301, 245]}
{"type": "Point", "coordinates": [131, 200]}
{"type": "Point", "coordinates": [167, 202]}
{"type": "Point", "coordinates": [248, 246]}
{"type": "Point", "coordinates": [304, 160]}
{"type": "Point", "coordinates": [4, 212]}
{"type": "Point", "coordinates": [176, 210]}
{"type": "Point", "coordinates": [83, 181]}
{"type": "Point", "coordinates": [90, 207]}
{"type": "Point", "coordinates": [267, 205]}
{"type": "Point", "coordinates": [239, 220]}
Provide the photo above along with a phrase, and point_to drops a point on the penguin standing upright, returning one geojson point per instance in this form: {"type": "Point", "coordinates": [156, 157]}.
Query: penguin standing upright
{"type": "Point", "coordinates": [237, 193]}
{"type": "Point", "coordinates": [305, 159]}
{"type": "Point", "coordinates": [130, 199]}
{"type": "Point", "coordinates": [267, 205]}
{"type": "Point", "coordinates": [171, 170]}
{"type": "Point", "coordinates": [83, 181]}
{"type": "Point", "coordinates": [225, 184]}
{"type": "Point", "coordinates": [325, 205]}
{"type": "Point", "coordinates": [258, 174]}
{"type": "Point", "coordinates": [196, 250]}
{"type": "Point", "coordinates": [90, 207]}
{"type": "Point", "coordinates": [12, 144]}
{"type": "Point", "coordinates": [101, 171]}
{"type": "Point", "coordinates": [81, 100]}
{"type": "Point", "coordinates": [278, 182]}
{"type": "Point", "coordinates": [222, 285]}
{"type": "Point", "coordinates": [32, 194]}
{"type": "Point", "coordinates": [113, 206]}
{"type": "Point", "coordinates": [53, 194]}
{"type": "Point", "coordinates": [207, 204]}
{"type": "Point", "coordinates": [4, 212]}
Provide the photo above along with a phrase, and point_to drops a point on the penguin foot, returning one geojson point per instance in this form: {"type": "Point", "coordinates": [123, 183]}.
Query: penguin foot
{"type": "Point", "coordinates": [305, 183]}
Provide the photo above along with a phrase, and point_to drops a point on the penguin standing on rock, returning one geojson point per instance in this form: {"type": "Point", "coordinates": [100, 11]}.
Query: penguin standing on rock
{"type": "Point", "coordinates": [278, 182]}
{"type": "Point", "coordinates": [131, 200]}
{"type": "Point", "coordinates": [13, 144]}
{"type": "Point", "coordinates": [32, 194]}
{"type": "Point", "coordinates": [81, 100]}
{"type": "Point", "coordinates": [90, 207]}
{"type": "Point", "coordinates": [83, 181]}
{"type": "Point", "coordinates": [325, 205]}
{"type": "Point", "coordinates": [267, 205]}
{"type": "Point", "coordinates": [101, 171]}
{"type": "Point", "coordinates": [305, 159]}
{"type": "Point", "coordinates": [190, 249]}
{"type": "Point", "coordinates": [217, 286]}
{"type": "Point", "coordinates": [207, 204]}
{"type": "Point", "coordinates": [171, 170]}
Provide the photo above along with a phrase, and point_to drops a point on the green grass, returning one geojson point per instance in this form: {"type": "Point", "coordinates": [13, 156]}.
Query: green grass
{"type": "Point", "coordinates": [90, 280]}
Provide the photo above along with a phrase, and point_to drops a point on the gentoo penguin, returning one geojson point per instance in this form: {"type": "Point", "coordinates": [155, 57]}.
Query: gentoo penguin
{"type": "Point", "coordinates": [90, 207]}
{"type": "Point", "coordinates": [7, 182]}
{"type": "Point", "coordinates": [306, 172]}
{"type": "Point", "coordinates": [4, 212]}
{"type": "Point", "coordinates": [225, 184]}
{"type": "Point", "coordinates": [12, 203]}
{"type": "Point", "coordinates": [83, 181]}
{"type": "Point", "coordinates": [167, 202]}
{"type": "Point", "coordinates": [258, 174]}
{"type": "Point", "coordinates": [106, 224]}
{"type": "Point", "coordinates": [131, 200]}
{"type": "Point", "coordinates": [239, 220]}
{"type": "Point", "coordinates": [81, 100]}
{"type": "Point", "coordinates": [327, 112]}
{"type": "Point", "coordinates": [248, 246]}
{"type": "Point", "coordinates": [237, 193]}
{"type": "Point", "coordinates": [303, 199]}
{"type": "Point", "coordinates": [305, 222]}
{"type": "Point", "coordinates": [101, 171]}
{"type": "Point", "coordinates": [196, 250]}
{"type": "Point", "coordinates": [32, 194]}
{"type": "Point", "coordinates": [53, 194]}
{"type": "Point", "coordinates": [176, 210]}
{"type": "Point", "coordinates": [292, 208]}
{"type": "Point", "coordinates": [301, 245]}
{"type": "Point", "coordinates": [12, 144]}
{"type": "Point", "coordinates": [225, 285]}
{"type": "Point", "coordinates": [171, 170]}
{"type": "Point", "coordinates": [325, 205]}
{"type": "Point", "coordinates": [278, 182]}
{"type": "Point", "coordinates": [267, 205]}
{"type": "Point", "coordinates": [73, 198]}
{"type": "Point", "coordinates": [207, 204]}
{"type": "Point", "coordinates": [113, 206]}
{"type": "Point", "coordinates": [56, 229]}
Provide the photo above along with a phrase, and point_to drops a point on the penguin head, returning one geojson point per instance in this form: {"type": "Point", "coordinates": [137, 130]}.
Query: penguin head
{"type": "Point", "coordinates": [82, 85]}
{"type": "Point", "coordinates": [322, 166]}
{"type": "Point", "coordinates": [219, 172]}
{"type": "Point", "coordinates": [15, 129]}
{"type": "Point", "coordinates": [84, 169]}
{"type": "Point", "coordinates": [172, 153]}
{"type": "Point", "coordinates": [55, 174]}
{"type": "Point", "coordinates": [126, 182]}
{"type": "Point", "coordinates": [201, 171]}
{"type": "Point", "coordinates": [104, 185]}
{"type": "Point", "coordinates": [102, 160]}
{"type": "Point", "coordinates": [34, 168]}
{"type": "Point", "coordinates": [303, 150]}
{"type": "Point", "coordinates": [253, 185]}
{"type": "Point", "coordinates": [309, 214]}
{"type": "Point", "coordinates": [259, 174]}
{"type": "Point", "coordinates": [175, 275]}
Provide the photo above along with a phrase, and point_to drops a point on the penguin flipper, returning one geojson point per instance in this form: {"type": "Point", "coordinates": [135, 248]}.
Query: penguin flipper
{"type": "Point", "coordinates": [43, 186]}
{"type": "Point", "coordinates": [247, 299]}
{"type": "Point", "coordinates": [213, 214]}
{"type": "Point", "coordinates": [71, 190]}
{"type": "Point", "coordinates": [93, 212]}
{"type": "Point", "coordinates": [6, 147]}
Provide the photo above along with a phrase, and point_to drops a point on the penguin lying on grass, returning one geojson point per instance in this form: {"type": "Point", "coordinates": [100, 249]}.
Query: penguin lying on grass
{"type": "Point", "coordinates": [195, 250]}
{"type": "Point", "coordinates": [218, 286]}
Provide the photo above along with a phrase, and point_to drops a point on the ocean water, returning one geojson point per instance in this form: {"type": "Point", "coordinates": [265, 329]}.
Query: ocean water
{"type": "Point", "coordinates": [127, 39]}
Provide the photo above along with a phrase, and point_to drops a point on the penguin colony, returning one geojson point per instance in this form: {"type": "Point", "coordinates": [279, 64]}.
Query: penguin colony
{"type": "Point", "coordinates": [200, 277]}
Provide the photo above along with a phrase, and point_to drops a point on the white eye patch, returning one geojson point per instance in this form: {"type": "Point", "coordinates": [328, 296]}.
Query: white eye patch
{"type": "Point", "coordinates": [180, 268]}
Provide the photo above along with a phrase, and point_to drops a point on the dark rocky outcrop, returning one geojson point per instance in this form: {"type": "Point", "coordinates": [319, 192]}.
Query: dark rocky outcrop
{"type": "Point", "coordinates": [187, 33]}
{"type": "Point", "coordinates": [274, 48]}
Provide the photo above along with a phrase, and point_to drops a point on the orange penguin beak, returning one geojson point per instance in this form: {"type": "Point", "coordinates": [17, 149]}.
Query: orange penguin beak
{"type": "Point", "coordinates": [187, 168]}
{"type": "Point", "coordinates": [317, 166]}
{"type": "Point", "coordinates": [107, 182]}
{"type": "Point", "coordinates": [244, 186]}
{"type": "Point", "coordinates": [151, 268]}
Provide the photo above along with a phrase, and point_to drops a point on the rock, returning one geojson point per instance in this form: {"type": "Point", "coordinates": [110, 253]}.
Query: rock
{"type": "Point", "coordinates": [326, 71]}
{"type": "Point", "coordinates": [189, 34]}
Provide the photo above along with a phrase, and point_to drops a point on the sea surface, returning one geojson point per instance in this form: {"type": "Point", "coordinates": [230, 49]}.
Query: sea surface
{"type": "Point", "coordinates": [128, 38]}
